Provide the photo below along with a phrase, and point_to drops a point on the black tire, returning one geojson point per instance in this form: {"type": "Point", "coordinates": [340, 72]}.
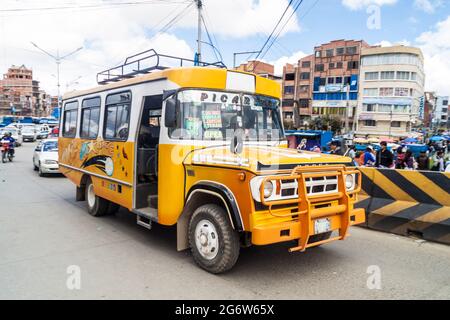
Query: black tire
{"type": "Point", "coordinates": [100, 205]}
{"type": "Point", "coordinates": [228, 239]}
{"type": "Point", "coordinates": [35, 168]}
{"type": "Point", "coordinates": [41, 174]}
{"type": "Point", "coordinates": [320, 237]}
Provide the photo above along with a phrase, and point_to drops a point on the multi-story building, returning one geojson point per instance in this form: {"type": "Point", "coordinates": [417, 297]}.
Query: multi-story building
{"type": "Point", "coordinates": [441, 113]}
{"type": "Point", "coordinates": [391, 87]}
{"type": "Point", "coordinates": [19, 93]}
{"type": "Point", "coordinates": [325, 83]}
{"type": "Point", "coordinates": [297, 89]}
{"type": "Point", "coordinates": [336, 79]}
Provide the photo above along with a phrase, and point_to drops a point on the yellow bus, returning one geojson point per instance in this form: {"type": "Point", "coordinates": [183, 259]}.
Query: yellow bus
{"type": "Point", "coordinates": [203, 148]}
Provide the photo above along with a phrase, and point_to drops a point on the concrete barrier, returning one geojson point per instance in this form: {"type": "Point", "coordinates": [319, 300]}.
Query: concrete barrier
{"type": "Point", "coordinates": [407, 202]}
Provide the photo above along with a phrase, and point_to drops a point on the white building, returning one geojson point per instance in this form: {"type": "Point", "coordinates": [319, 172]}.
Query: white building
{"type": "Point", "coordinates": [440, 113]}
{"type": "Point", "coordinates": [391, 87]}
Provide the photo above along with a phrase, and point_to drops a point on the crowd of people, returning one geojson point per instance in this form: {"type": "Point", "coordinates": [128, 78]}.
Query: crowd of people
{"type": "Point", "coordinates": [433, 159]}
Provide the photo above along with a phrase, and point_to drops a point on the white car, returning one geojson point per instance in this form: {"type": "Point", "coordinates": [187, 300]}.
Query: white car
{"type": "Point", "coordinates": [29, 133]}
{"type": "Point", "coordinates": [45, 157]}
{"type": "Point", "coordinates": [15, 133]}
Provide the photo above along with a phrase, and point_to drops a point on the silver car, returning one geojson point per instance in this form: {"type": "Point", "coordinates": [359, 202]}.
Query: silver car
{"type": "Point", "coordinates": [45, 157]}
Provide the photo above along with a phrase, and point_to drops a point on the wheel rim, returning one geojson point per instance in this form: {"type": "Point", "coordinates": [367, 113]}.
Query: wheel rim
{"type": "Point", "coordinates": [91, 196]}
{"type": "Point", "coordinates": [206, 239]}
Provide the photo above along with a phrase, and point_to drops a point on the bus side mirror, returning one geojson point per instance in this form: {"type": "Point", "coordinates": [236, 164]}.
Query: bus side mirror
{"type": "Point", "coordinates": [170, 116]}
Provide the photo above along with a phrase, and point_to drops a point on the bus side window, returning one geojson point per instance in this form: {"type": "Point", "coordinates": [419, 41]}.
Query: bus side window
{"type": "Point", "coordinates": [70, 116]}
{"type": "Point", "coordinates": [117, 116]}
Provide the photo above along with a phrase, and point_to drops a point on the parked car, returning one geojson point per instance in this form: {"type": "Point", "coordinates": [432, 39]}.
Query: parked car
{"type": "Point", "coordinates": [15, 133]}
{"type": "Point", "coordinates": [45, 157]}
{"type": "Point", "coordinates": [29, 133]}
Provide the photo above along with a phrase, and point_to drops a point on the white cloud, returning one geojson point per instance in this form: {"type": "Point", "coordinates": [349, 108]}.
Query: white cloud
{"type": "Point", "coordinates": [281, 62]}
{"type": "Point", "coordinates": [435, 45]}
{"type": "Point", "coordinates": [360, 4]}
{"type": "Point", "coordinates": [428, 6]}
{"type": "Point", "coordinates": [110, 34]}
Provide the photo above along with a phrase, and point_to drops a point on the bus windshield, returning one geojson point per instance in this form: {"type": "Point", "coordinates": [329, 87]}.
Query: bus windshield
{"type": "Point", "coordinates": [216, 115]}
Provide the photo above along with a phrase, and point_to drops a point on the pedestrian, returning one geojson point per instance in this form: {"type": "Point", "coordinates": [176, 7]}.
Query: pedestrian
{"type": "Point", "coordinates": [352, 152]}
{"type": "Point", "coordinates": [369, 157]}
{"type": "Point", "coordinates": [409, 161]}
{"type": "Point", "coordinates": [359, 159]}
{"type": "Point", "coordinates": [385, 158]}
{"type": "Point", "coordinates": [400, 160]}
{"type": "Point", "coordinates": [438, 162]}
{"type": "Point", "coordinates": [423, 161]}
{"type": "Point", "coordinates": [335, 149]}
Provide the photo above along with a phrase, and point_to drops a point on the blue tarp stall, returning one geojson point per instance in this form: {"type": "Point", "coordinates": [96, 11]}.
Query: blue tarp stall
{"type": "Point", "coordinates": [437, 139]}
{"type": "Point", "coordinates": [313, 138]}
{"type": "Point", "coordinates": [416, 149]}
{"type": "Point", "coordinates": [56, 113]}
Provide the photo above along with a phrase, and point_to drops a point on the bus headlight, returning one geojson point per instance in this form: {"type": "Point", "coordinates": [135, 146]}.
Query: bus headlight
{"type": "Point", "coordinates": [268, 189]}
{"type": "Point", "coordinates": [350, 182]}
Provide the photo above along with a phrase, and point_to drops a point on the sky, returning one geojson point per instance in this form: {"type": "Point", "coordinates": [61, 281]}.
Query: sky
{"type": "Point", "coordinates": [110, 30]}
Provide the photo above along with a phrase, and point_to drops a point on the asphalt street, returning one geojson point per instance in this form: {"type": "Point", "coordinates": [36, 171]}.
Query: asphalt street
{"type": "Point", "coordinates": [43, 232]}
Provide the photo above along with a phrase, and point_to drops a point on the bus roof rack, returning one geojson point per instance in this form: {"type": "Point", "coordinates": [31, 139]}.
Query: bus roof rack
{"type": "Point", "coordinates": [147, 62]}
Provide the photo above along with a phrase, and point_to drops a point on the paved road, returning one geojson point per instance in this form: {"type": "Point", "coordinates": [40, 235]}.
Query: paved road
{"type": "Point", "coordinates": [43, 231]}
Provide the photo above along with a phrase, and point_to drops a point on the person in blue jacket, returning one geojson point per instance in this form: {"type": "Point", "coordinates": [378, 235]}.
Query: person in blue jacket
{"type": "Point", "coordinates": [369, 157]}
{"type": "Point", "coordinates": [7, 136]}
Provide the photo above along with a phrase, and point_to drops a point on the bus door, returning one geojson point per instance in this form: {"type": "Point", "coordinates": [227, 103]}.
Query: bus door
{"type": "Point", "coordinates": [146, 191]}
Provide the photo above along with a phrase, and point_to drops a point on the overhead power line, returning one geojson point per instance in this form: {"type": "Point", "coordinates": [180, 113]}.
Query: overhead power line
{"type": "Point", "coordinates": [103, 5]}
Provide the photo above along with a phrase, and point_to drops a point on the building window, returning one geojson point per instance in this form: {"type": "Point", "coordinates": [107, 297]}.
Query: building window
{"type": "Point", "coordinates": [331, 65]}
{"type": "Point", "coordinates": [339, 65]}
{"type": "Point", "coordinates": [70, 119]}
{"type": "Point", "coordinates": [340, 51]}
{"type": "Point", "coordinates": [351, 50]}
{"type": "Point", "coordinates": [347, 80]}
{"type": "Point", "coordinates": [402, 75]}
{"type": "Point", "coordinates": [90, 117]}
{"type": "Point", "coordinates": [323, 81]}
{"type": "Point", "coordinates": [402, 92]}
{"type": "Point", "coordinates": [445, 102]}
{"type": "Point", "coordinates": [289, 90]}
{"type": "Point", "coordinates": [387, 75]}
{"type": "Point", "coordinates": [117, 116]}
{"type": "Point", "coordinates": [386, 92]}
{"type": "Point", "coordinates": [371, 75]}
{"type": "Point", "coordinates": [318, 54]}
{"type": "Point", "coordinates": [353, 65]}
{"type": "Point", "coordinates": [338, 80]}
{"type": "Point", "coordinates": [370, 123]}
{"type": "Point", "coordinates": [369, 107]}
{"type": "Point", "coordinates": [305, 76]}
{"type": "Point", "coordinates": [319, 67]}
{"type": "Point", "coordinates": [401, 109]}
{"type": "Point", "coordinates": [288, 103]}
{"type": "Point", "coordinates": [330, 52]}
{"type": "Point", "coordinates": [330, 80]}
{"type": "Point", "coordinates": [289, 77]}
{"type": "Point", "coordinates": [303, 103]}
{"type": "Point", "coordinates": [370, 92]}
{"type": "Point", "coordinates": [413, 76]}
{"type": "Point", "coordinates": [387, 108]}
{"type": "Point", "coordinates": [288, 115]}
{"type": "Point", "coordinates": [396, 124]}
{"type": "Point", "coordinates": [304, 89]}
{"type": "Point", "coordinates": [306, 64]}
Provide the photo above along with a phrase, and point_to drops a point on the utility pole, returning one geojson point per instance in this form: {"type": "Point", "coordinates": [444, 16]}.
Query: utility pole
{"type": "Point", "coordinates": [199, 32]}
{"type": "Point", "coordinates": [58, 60]}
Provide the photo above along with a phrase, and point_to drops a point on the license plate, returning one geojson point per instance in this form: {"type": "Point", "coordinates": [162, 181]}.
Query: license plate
{"type": "Point", "coordinates": [322, 226]}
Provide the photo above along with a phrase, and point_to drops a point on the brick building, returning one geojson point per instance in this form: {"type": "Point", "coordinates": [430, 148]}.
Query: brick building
{"type": "Point", "coordinates": [260, 68]}
{"type": "Point", "coordinates": [325, 83]}
{"type": "Point", "coordinates": [20, 94]}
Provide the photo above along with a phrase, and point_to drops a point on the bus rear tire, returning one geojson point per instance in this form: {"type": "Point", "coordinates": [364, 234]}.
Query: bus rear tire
{"type": "Point", "coordinates": [214, 244]}
{"type": "Point", "coordinates": [97, 206]}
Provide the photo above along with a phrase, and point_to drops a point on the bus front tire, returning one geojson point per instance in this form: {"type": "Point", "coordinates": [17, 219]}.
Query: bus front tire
{"type": "Point", "coordinates": [97, 206]}
{"type": "Point", "coordinates": [214, 244]}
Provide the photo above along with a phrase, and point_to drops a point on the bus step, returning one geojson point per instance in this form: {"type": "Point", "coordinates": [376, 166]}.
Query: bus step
{"type": "Point", "coordinates": [144, 222]}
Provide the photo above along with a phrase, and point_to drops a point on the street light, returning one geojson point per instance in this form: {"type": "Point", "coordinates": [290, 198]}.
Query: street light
{"type": "Point", "coordinates": [58, 60]}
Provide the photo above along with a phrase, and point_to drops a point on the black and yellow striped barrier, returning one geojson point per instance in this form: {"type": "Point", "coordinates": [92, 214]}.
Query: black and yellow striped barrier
{"type": "Point", "coordinates": [407, 202]}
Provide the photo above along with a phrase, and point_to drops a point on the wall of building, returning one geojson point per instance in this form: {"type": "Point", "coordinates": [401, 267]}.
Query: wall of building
{"type": "Point", "coordinates": [391, 86]}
